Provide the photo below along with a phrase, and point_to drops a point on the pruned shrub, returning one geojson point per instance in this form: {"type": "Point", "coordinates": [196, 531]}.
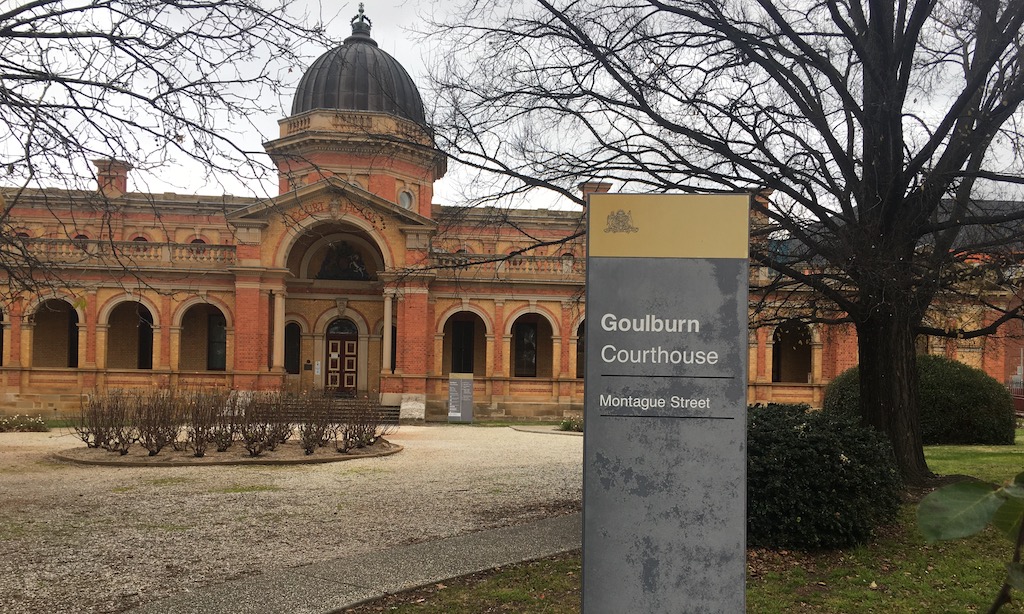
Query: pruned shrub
{"type": "Point", "coordinates": [315, 428]}
{"type": "Point", "coordinates": [156, 419]}
{"type": "Point", "coordinates": [959, 405]}
{"type": "Point", "coordinates": [203, 411]}
{"type": "Point", "coordinates": [816, 480]}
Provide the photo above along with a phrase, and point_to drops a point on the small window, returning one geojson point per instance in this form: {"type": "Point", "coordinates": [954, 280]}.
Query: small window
{"type": "Point", "coordinates": [22, 235]}
{"type": "Point", "coordinates": [405, 199]}
{"type": "Point", "coordinates": [197, 242]}
{"type": "Point", "coordinates": [140, 239]}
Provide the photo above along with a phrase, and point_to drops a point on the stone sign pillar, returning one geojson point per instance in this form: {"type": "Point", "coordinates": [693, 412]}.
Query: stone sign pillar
{"type": "Point", "coordinates": [664, 481]}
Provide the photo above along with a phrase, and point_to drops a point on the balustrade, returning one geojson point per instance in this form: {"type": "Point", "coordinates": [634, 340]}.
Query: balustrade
{"type": "Point", "coordinates": [80, 252]}
{"type": "Point", "coordinates": [475, 265]}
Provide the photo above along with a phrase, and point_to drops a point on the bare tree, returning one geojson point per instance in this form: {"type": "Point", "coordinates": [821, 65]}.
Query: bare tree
{"type": "Point", "coordinates": [144, 85]}
{"type": "Point", "coordinates": [887, 133]}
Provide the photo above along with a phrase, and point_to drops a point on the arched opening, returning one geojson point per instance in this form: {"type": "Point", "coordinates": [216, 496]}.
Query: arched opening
{"type": "Point", "coordinates": [55, 335]}
{"type": "Point", "coordinates": [531, 346]}
{"type": "Point", "coordinates": [342, 360]}
{"type": "Point", "coordinates": [581, 354]}
{"type": "Point", "coordinates": [335, 251]}
{"type": "Point", "coordinates": [465, 349]}
{"type": "Point", "coordinates": [791, 353]}
{"type": "Point", "coordinates": [204, 336]}
{"type": "Point", "coordinates": [292, 347]}
{"type": "Point", "coordinates": [130, 337]}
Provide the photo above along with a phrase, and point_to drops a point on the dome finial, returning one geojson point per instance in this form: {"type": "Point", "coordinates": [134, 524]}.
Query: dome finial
{"type": "Point", "coordinates": [361, 23]}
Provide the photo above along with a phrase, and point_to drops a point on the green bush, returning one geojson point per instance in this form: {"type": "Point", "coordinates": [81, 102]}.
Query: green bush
{"type": "Point", "coordinates": [960, 405]}
{"type": "Point", "coordinates": [22, 424]}
{"type": "Point", "coordinates": [816, 480]}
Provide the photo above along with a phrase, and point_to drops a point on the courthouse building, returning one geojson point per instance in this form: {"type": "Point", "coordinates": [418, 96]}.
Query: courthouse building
{"type": "Point", "coordinates": [350, 280]}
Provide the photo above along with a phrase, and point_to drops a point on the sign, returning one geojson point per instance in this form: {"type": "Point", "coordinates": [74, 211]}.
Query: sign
{"type": "Point", "coordinates": [460, 397]}
{"type": "Point", "coordinates": [664, 479]}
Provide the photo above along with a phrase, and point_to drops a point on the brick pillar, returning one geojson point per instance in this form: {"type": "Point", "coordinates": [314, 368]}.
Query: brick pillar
{"type": "Point", "coordinates": [567, 334]}
{"type": "Point", "coordinates": [250, 340]}
{"type": "Point", "coordinates": [278, 358]}
{"type": "Point", "coordinates": [162, 357]}
{"type": "Point", "coordinates": [90, 332]}
{"type": "Point", "coordinates": [12, 340]}
{"type": "Point", "coordinates": [414, 333]}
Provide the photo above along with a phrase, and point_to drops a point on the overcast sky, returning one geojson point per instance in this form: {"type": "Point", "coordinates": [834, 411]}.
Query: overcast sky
{"type": "Point", "coordinates": [391, 23]}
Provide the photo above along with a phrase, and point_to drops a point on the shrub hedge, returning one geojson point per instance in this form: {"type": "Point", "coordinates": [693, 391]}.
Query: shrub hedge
{"type": "Point", "coordinates": [960, 405]}
{"type": "Point", "coordinates": [816, 480]}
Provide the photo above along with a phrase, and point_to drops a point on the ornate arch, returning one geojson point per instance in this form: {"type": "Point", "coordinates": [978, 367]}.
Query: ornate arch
{"type": "Point", "coordinates": [182, 309]}
{"type": "Point", "coordinates": [299, 228]}
{"type": "Point", "coordinates": [103, 316]}
{"type": "Point", "coordinates": [536, 310]}
{"type": "Point", "coordinates": [70, 299]}
{"type": "Point", "coordinates": [297, 319]}
{"type": "Point", "coordinates": [331, 315]}
{"type": "Point", "coordinates": [464, 308]}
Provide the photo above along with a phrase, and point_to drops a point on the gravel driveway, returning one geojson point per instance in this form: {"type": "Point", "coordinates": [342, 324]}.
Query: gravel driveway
{"type": "Point", "coordinates": [97, 539]}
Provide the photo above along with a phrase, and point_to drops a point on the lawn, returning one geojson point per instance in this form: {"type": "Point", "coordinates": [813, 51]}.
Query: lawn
{"type": "Point", "coordinates": [898, 572]}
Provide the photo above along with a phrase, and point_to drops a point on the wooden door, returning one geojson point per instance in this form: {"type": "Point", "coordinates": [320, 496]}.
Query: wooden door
{"type": "Point", "coordinates": [342, 360]}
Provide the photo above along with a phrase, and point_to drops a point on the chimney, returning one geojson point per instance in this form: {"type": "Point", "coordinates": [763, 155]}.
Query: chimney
{"type": "Point", "coordinates": [594, 187]}
{"type": "Point", "coordinates": [112, 177]}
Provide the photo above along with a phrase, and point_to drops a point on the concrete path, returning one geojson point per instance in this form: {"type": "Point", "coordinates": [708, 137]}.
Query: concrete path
{"type": "Point", "coordinates": [345, 582]}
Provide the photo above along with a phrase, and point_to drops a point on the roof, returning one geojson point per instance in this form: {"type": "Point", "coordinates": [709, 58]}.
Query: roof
{"type": "Point", "coordinates": [359, 76]}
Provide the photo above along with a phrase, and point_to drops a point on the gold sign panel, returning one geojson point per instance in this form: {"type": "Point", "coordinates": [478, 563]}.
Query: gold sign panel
{"type": "Point", "coordinates": [669, 225]}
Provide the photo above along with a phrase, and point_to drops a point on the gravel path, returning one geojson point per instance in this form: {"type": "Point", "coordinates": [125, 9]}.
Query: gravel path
{"type": "Point", "coordinates": [97, 539]}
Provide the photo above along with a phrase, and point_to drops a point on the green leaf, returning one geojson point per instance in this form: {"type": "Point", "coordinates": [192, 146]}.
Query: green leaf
{"type": "Point", "coordinates": [1007, 518]}
{"type": "Point", "coordinates": [1015, 575]}
{"type": "Point", "coordinates": [1014, 490]}
{"type": "Point", "coordinates": [957, 510]}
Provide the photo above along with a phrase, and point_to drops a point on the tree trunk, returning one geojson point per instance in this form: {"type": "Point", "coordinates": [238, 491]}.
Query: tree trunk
{"type": "Point", "coordinates": [888, 387]}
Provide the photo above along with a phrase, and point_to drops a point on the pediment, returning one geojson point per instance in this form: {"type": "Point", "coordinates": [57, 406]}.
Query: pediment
{"type": "Point", "coordinates": [328, 196]}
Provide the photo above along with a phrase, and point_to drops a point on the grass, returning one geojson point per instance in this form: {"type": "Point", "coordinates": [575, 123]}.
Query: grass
{"type": "Point", "coordinates": [897, 573]}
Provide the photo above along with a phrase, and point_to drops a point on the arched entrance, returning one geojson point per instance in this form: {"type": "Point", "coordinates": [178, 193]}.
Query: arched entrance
{"type": "Point", "coordinates": [342, 359]}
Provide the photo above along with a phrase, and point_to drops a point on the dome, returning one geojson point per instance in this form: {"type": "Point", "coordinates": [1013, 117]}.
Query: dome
{"type": "Point", "coordinates": [359, 76]}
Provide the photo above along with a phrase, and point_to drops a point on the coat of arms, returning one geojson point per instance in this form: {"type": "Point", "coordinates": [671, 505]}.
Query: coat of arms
{"type": "Point", "coordinates": [621, 221]}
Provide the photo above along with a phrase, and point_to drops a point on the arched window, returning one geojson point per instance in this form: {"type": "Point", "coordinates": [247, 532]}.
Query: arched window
{"type": "Point", "coordinates": [791, 353]}
{"type": "Point", "coordinates": [203, 339]}
{"type": "Point", "coordinates": [197, 242]}
{"type": "Point", "coordinates": [140, 239]}
{"type": "Point", "coordinates": [342, 326]}
{"type": "Point", "coordinates": [531, 346]}
{"type": "Point", "coordinates": [465, 344]}
{"type": "Point", "coordinates": [130, 337]}
{"type": "Point", "coordinates": [292, 347]}
{"type": "Point", "coordinates": [55, 335]}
